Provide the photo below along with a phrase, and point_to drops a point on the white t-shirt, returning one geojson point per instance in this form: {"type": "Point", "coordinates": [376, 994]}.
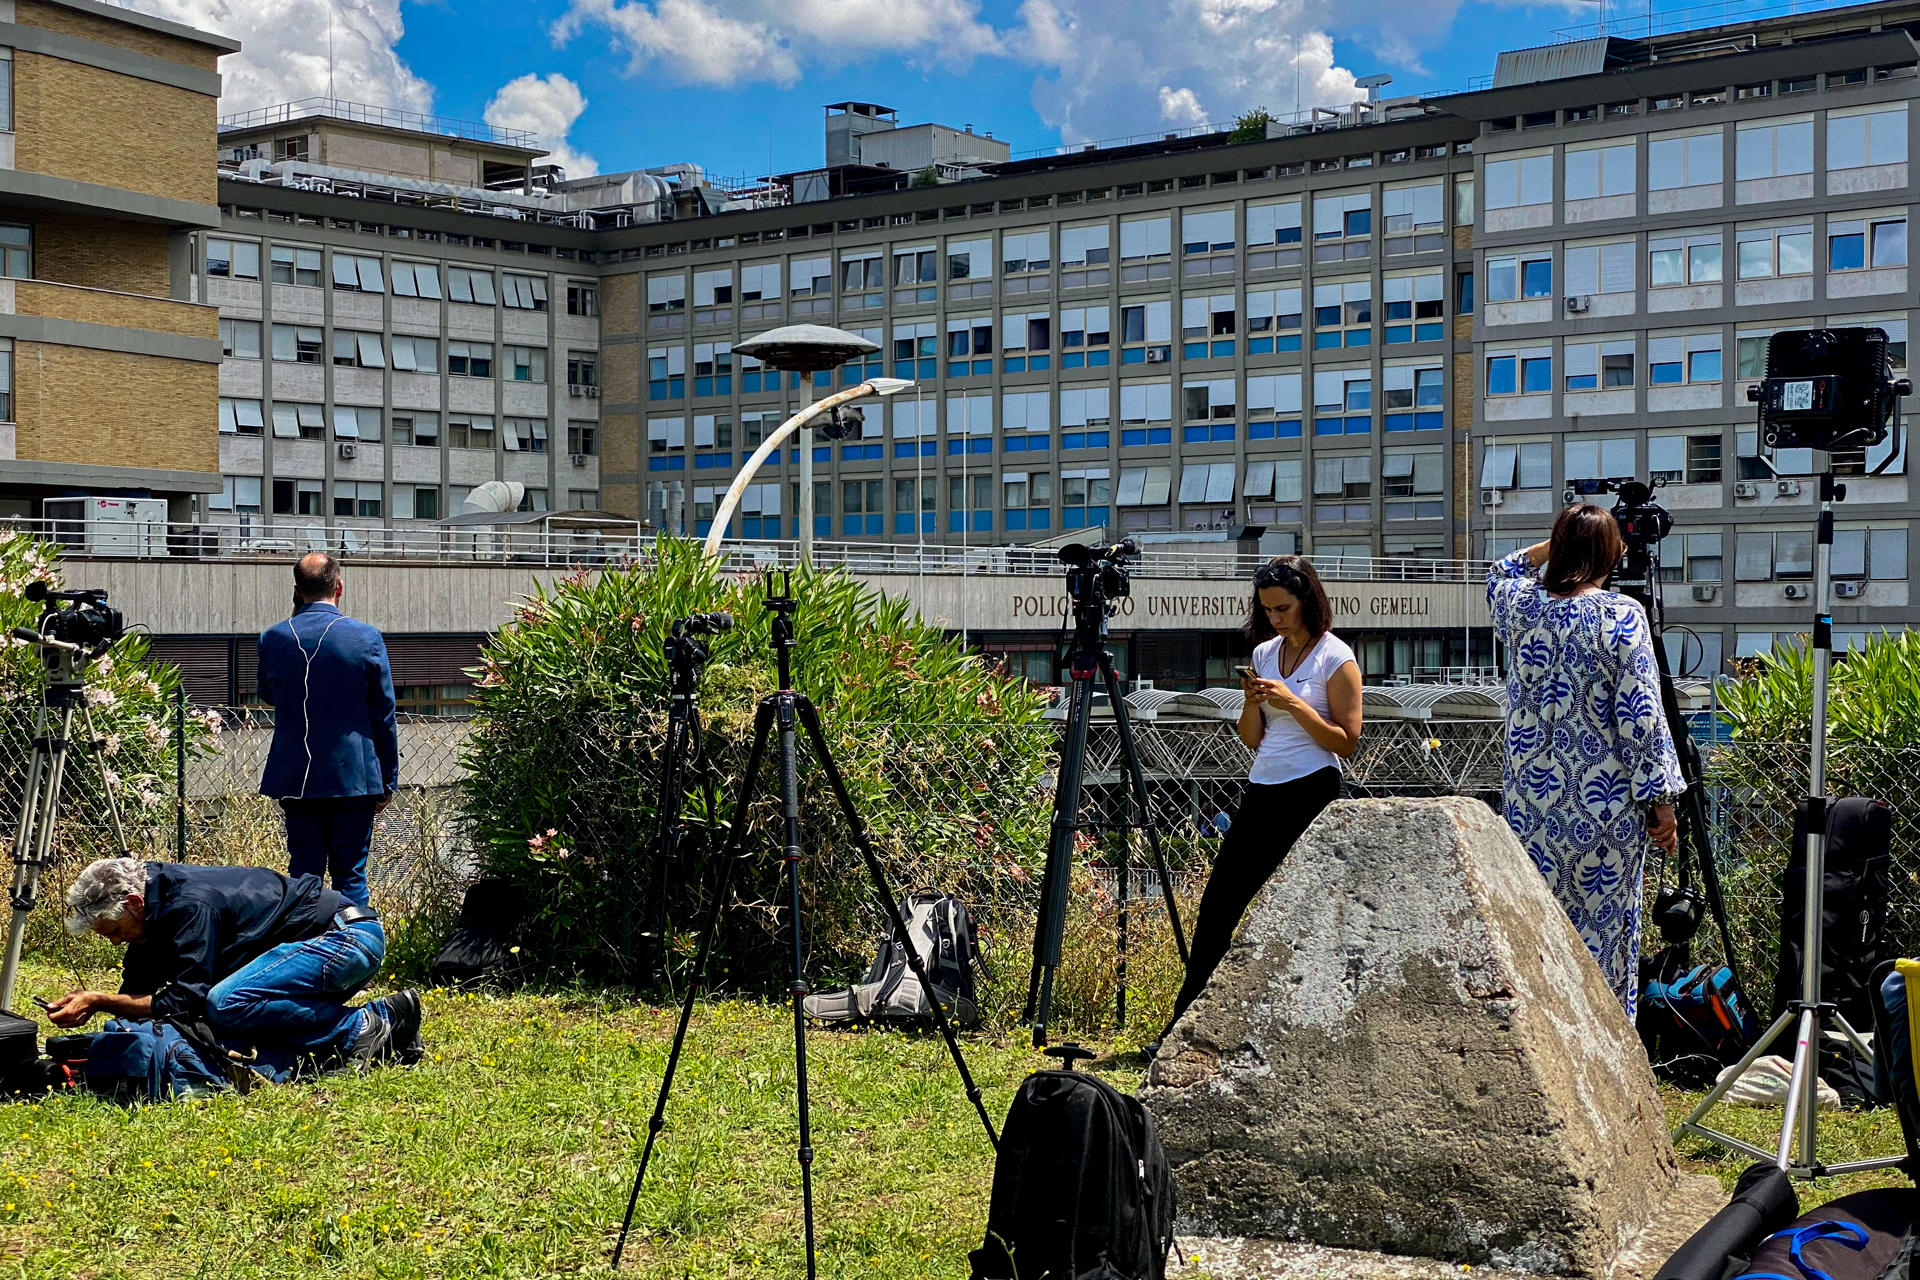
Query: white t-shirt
{"type": "Point", "coordinates": [1286, 752]}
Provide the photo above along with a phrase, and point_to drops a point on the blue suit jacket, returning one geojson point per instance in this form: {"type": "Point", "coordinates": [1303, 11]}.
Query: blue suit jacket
{"type": "Point", "coordinates": [326, 677]}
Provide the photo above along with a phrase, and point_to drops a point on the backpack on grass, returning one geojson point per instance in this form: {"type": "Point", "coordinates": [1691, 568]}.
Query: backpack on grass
{"type": "Point", "coordinates": [942, 932]}
{"type": "Point", "coordinates": [1081, 1188]}
{"type": "Point", "coordinates": [480, 949]}
{"type": "Point", "coordinates": [1695, 1020]}
{"type": "Point", "coordinates": [150, 1062]}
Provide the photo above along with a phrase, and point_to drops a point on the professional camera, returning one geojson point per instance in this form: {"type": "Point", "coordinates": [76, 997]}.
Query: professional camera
{"type": "Point", "coordinates": [703, 624]}
{"type": "Point", "coordinates": [79, 618]}
{"type": "Point", "coordinates": [1099, 575]}
{"type": "Point", "coordinates": [1828, 389]}
{"type": "Point", "coordinates": [1643, 522]}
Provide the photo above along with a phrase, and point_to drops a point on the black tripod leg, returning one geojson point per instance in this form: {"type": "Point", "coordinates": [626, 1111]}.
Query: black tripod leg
{"type": "Point", "coordinates": [784, 703]}
{"type": "Point", "coordinates": [762, 723]}
{"type": "Point", "coordinates": [1139, 780]}
{"type": "Point", "coordinates": [1125, 869]}
{"type": "Point", "coordinates": [875, 872]}
{"type": "Point", "coordinates": [1049, 931]}
{"type": "Point", "coordinates": [666, 841]}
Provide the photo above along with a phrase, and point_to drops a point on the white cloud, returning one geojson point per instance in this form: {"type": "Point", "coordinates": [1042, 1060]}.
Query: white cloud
{"type": "Point", "coordinates": [284, 53]}
{"type": "Point", "coordinates": [548, 108]}
{"type": "Point", "coordinates": [725, 43]}
{"type": "Point", "coordinates": [1180, 106]}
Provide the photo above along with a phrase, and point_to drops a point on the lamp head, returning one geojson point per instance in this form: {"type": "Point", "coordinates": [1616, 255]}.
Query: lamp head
{"type": "Point", "coordinates": [805, 348]}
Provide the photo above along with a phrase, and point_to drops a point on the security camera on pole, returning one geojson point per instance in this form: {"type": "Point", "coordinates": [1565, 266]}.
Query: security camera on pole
{"type": "Point", "coordinates": [805, 349]}
{"type": "Point", "coordinates": [1825, 389]}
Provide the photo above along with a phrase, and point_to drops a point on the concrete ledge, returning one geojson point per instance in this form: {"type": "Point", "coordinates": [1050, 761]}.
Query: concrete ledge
{"type": "Point", "coordinates": [44, 191]}
{"type": "Point", "coordinates": [126, 62]}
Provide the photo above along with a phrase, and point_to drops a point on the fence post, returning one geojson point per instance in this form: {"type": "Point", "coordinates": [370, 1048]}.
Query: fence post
{"type": "Point", "coordinates": [180, 773]}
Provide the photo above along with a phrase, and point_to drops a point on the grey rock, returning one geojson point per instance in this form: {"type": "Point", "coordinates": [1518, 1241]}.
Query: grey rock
{"type": "Point", "coordinates": [1408, 1050]}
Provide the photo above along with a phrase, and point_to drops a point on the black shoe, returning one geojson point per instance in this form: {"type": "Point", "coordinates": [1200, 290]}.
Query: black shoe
{"type": "Point", "coordinates": [372, 1045]}
{"type": "Point", "coordinates": [403, 1017]}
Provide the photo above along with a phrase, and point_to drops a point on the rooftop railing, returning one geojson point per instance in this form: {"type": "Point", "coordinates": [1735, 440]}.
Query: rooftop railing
{"type": "Point", "coordinates": [596, 544]}
{"type": "Point", "coordinates": [383, 117]}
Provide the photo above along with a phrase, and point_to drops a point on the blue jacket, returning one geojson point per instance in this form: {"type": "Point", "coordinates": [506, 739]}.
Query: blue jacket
{"type": "Point", "coordinates": [326, 677]}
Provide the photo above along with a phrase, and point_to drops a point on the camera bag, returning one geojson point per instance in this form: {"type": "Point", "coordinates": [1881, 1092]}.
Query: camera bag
{"type": "Point", "coordinates": [150, 1062]}
{"type": "Point", "coordinates": [1081, 1187]}
{"type": "Point", "coordinates": [942, 932]}
{"type": "Point", "coordinates": [480, 949]}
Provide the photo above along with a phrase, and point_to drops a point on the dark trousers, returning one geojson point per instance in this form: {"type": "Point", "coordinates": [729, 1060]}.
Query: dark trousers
{"type": "Point", "coordinates": [330, 837]}
{"type": "Point", "coordinates": [1271, 818]}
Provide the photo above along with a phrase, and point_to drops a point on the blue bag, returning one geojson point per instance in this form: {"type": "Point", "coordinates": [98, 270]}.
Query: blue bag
{"type": "Point", "coordinates": [1896, 1012]}
{"type": "Point", "coordinates": [149, 1062]}
{"type": "Point", "coordinates": [1698, 1021]}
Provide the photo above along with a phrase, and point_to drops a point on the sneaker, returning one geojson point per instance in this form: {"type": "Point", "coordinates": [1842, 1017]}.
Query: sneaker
{"type": "Point", "coordinates": [404, 1011]}
{"type": "Point", "coordinates": [372, 1042]}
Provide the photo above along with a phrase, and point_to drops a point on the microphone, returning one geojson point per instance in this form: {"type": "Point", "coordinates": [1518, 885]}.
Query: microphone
{"type": "Point", "coordinates": [28, 635]}
{"type": "Point", "coordinates": [705, 624]}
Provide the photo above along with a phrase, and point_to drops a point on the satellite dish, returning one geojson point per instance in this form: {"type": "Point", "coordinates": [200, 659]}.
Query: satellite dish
{"type": "Point", "coordinates": [494, 495]}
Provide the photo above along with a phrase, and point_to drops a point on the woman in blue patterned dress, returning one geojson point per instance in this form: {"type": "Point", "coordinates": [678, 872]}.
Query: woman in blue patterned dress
{"type": "Point", "coordinates": [1590, 770]}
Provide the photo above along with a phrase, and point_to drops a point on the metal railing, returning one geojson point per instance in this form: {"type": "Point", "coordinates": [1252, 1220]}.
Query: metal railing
{"type": "Point", "coordinates": [1630, 22]}
{"type": "Point", "coordinates": [383, 117]}
{"type": "Point", "coordinates": [569, 542]}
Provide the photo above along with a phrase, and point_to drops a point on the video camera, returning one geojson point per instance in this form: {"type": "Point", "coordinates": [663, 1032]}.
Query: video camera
{"type": "Point", "coordinates": [1828, 389]}
{"type": "Point", "coordinates": [81, 619]}
{"type": "Point", "coordinates": [703, 624]}
{"type": "Point", "coordinates": [1097, 576]}
{"type": "Point", "coordinates": [1643, 522]}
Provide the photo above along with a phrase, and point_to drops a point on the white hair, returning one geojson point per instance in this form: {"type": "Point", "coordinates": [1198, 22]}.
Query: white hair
{"type": "Point", "coordinates": [100, 892]}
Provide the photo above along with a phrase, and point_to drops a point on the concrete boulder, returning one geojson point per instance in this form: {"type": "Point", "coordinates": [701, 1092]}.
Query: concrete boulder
{"type": "Point", "coordinates": [1408, 1050]}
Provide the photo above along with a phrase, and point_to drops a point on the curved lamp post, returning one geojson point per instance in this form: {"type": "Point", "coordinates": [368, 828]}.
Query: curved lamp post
{"type": "Point", "coordinates": [799, 348]}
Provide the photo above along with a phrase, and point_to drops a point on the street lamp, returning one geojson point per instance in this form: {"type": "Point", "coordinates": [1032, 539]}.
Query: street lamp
{"type": "Point", "coordinates": [808, 349]}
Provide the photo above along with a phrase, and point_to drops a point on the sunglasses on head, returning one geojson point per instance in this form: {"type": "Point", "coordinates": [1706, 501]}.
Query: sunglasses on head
{"type": "Point", "coordinates": [1279, 576]}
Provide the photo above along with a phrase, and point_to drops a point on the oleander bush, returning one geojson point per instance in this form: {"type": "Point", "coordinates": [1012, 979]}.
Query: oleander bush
{"type": "Point", "coordinates": [946, 760]}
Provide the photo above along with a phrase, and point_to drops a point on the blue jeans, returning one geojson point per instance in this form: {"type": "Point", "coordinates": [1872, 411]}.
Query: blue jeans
{"type": "Point", "coordinates": [329, 837]}
{"type": "Point", "coordinates": [291, 1000]}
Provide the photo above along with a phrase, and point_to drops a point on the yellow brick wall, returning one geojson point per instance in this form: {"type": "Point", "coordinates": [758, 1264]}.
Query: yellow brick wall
{"type": "Point", "coordinates": [79, 122]}
{"type": "Point", "coordinates": [620, 304]}
{"type": "Point", "coordinates": [1465, 486]}
{"type": "Point", "coordinates": [620, 372]}
{"type": "Point", "coordinates": [101, 253]}
{"type": "Point", "coordinates": [122, 310]}
{"type": "Point", "coordinates": [108, 408]}
{"type": "Point", "coordinates": [121, 35]}
{"type": "Point", "coordinates": [619, 444]}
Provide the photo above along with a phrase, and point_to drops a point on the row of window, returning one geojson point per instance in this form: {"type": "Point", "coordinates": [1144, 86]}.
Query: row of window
{"type": "Point", "coordinates": [364, 273]}
{"type": "Point", "coordinates": [242, 495]}
{"type": "Point", "coordinates": [1778, 147]}
{"type": "Point", "coordinates": [1673, 457]}
{"type": "Point", "coordinates": [1773, 555]}
{"type": "Point", "coordinates": [410, 353]}
{"type": "Point", "coordinates": [291, 421]}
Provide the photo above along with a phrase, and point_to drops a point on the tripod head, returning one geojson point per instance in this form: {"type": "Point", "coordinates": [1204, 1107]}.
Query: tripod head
{"type": "Point", "coordinates": [686, 651]}
{"type": "Point", "coordinates": [781, 604]}
{"type": "Point", "coordinates": [1098, 578]}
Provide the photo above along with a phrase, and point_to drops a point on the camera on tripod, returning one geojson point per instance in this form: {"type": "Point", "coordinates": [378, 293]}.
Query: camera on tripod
{"type": "Point", "coordinates": [82, 618]}
{"type": "Point", "coordinates": [1643, 522]}
{"type": "Point", "coordinates": [1097, 576]}
{"type": "Point", "coordinates": [1828, 389]}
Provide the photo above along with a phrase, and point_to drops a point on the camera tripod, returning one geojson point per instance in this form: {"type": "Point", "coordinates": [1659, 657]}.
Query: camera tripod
{"type": "Point", "coordinates": [1809, 1012]}
{"type": "Point", "coordinates": [784, 711]}
{"type": "Point", "coordinates": [63, 701]}
{"type": "Point", "coordinates": [684, 750]}
{"type": "Point", "coordinates": [1087, 657]}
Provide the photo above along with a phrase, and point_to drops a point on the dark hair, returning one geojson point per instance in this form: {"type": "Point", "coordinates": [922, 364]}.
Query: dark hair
{"type": "Point", "coordinates": [316, 576]}
{"type": "Point", "coordinates": [1584, 547]}
{"type": "Point", "coordinates": [1295, 576]}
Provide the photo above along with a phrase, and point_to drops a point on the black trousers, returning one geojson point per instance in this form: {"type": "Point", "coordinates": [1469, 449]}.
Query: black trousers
{"type": "Point", "coordinates": [1271, 818]}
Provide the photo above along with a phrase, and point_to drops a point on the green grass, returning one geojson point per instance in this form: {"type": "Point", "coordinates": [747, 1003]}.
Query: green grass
{"type": "Point", "coordinates": [510, 1151]}
{"type": "Point", "coordinates": [1843, 1136]}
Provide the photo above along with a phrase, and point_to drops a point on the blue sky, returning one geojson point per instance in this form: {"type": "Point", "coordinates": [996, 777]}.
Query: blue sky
{"type": "Point", "coordinates": [620, 84]}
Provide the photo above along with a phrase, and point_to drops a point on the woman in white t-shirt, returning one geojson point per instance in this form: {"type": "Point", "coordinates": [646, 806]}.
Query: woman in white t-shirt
{"type": "Point", "coordinates": [1301, 717]}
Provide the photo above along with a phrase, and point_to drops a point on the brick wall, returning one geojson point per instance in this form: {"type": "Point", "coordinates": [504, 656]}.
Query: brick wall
{"type": "Point", "coordinates": [121, 310]}
{"type": "Point", "coordinates": [79, 122]}
{"type": "Point", "coordinates": [101, 253]}
{"type": "Point", "coordinates": [1465, 484]}
{"type": "Point", "coordinates": [620, 372]}
{"type": "Point", "coordinates": [119, 34]}
{"type": "Point", "coordinates": [619, 444]}
{"type": "Point", "coordinates": [620, 304]}
{"type": "Point", "coordinates": [108, 408]}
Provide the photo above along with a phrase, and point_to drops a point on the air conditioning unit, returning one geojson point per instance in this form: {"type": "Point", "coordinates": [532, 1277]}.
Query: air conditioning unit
{"type": "Point", "coordinates": [1578, 303]}
{"type": "Point", "coordinates": [575, 389]}
{"type": "Point", "coordinates": [1844, 590]}
{"type": "Point", "coordinates": [577, 459]}
{"type": "Point", "coordinates": [1745, 489]}
{"type": "Point", "coordinates": [1796, 591]}
{"type": "Point", "coordinates": [1492, 497]}
{"type": "Point", "coordinates": [349, 450]}
{"type": "Point", "coordinates": [1156, 355]}
{"type": "Point", "coordinates": [1787, 488]}
{"type": "Point", "coordinates": [1706, 591]}
{"type": "Point", "coordinates": [593, 391]}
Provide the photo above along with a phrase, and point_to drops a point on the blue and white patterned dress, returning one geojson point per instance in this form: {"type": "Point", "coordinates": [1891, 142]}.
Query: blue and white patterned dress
{"type": "Point", "coordinates": [1588, 750]}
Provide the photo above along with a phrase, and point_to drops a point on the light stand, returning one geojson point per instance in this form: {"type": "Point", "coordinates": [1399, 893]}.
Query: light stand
{"type": "Point", "coordinates": [1838, 382]}
{"type": "Point", "coordinates": [1087, 657]}
{"type": "Point", "coordinates": [785, 709]}
{"type": "Point", "coordinates": [65, 696]}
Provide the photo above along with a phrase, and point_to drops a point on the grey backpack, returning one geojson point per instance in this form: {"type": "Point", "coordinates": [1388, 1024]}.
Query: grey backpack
{"type": "Point", "coordinates": [942, 932]}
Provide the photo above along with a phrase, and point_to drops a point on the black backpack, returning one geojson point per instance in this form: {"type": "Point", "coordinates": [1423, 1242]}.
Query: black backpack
{"type": "Point", "coordinates": [1081, 1188]}
{"type": "Point", "coordinates": [942, 931]}
{"type": "Point", "coordinates": [480, 950]}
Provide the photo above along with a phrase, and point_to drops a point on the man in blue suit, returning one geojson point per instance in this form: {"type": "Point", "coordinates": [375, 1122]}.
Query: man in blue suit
{"type": "Point", "coordinates": [335, 759]}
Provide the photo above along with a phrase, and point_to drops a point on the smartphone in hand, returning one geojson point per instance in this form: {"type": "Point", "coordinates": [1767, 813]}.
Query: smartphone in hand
{"type": "Point", "coordinates": [1245, 674]}
{"type": "Point", "coordinates": [44, 1003]}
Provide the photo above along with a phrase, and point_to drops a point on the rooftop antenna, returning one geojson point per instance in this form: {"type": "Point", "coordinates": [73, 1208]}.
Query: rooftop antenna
{"type": "Point", "coordinates": [330, 93]}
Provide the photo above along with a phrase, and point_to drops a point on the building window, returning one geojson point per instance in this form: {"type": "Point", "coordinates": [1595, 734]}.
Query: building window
{"type": "Point", "coordinates": [357, 274]}
{"type": "Point", "coordinates": [1343, 314]}
{"type": "Point", "coordinates": [970, 504]}
{"type": "Point", "coordinates": [1146, 413]}
{"type": "Point", "coordinates": [1086, 494]}
{"type": "Point", "coordinates": [359, 498]}
{"type": "Point", "coordinates": [351, 423]}
{"type": "Point", "coordinates": [581, 438]}
{"type": "Point", "coordinates": [237, 259]}
{"type": "Point", "coordinates": [416, 427]}
{"type": "Point", "coordinates": [1862, 139]}
{"type": "Point", "coordinates": [583, 371]}
{"type": "Point", "coordinates": [524, 293]}
{"type": "Point", "coordinates": [1599, 366]}
{"type": "Point", "coordinates": [1084, 255]}
{"type": "Point", "coordinates": [1209, 408]}
{"type": "Point", "coordinates": [1412, 482]}
{"type": "Point", "coordinates": [414, 354]}
{"type": "Point", "coordinates": [526, 364]}
{"type": "Point", "coordinates": [1207, 325]}
{"type": "Point", "coordinates": [1343, 489]}
{"type": "Point", "coordinates": [1514, 277]}
{"type": "Point", "coordinates": [1146, 333]}
{"type": "Point", "coordinates": [1519, 373]}
{"type": "Point", "coordinates": [294, 265]}
{"type": "Point", "coordinates": [290, 148]}
{"type": "Point", "coordinates": [416, 502]}
{"type": "Point", "coordinates": [861, 512]}
{"type": "Point", "coordinates": [1085, 417]}
{"type": "Point", "coordinates": [470, 359]}
{"type": "Point", "coordinates": [583, 300]}
{"type": "Point", "coordinates": [1086, 337]}
{"type": "Point", "coordinates": [1273, 235]}
{"type": "Point", "coordinates": [1523, 465]}
{"type": "Point", "coordinates": [1145, 243]}
{"type": "Point", "coordinates": [1594, 173]}
{"type": "Point", "coordinates": [1463, 293]}
{"type": "Point", "coordinates": [415, 280]}
{"type": "Point", "coordinates": [1683, 260]}
{"type": "Point", "coordinates": [298, 344]}
{"type": "Point", "coordinates": [1414, 398]}
{"type": "Point", "coordinates": [358, 350]}
{"type": "Point", "coordinates": [1862, 244]}
{"type": "Point", "coordinates": [1769, 252]}
{"type": "Point", "coordinates": [524, 435]}
{"type": "Point", "coordinates": [6, 91]}
{"type": "Point", "coordinates": [299, 422]}
{"type": "Point", "coordinates": [1683, 160]}
{"type": "Point", "coordinates": [1773, 150]}
{"type": "Point", "coordinates": [666, 373]}
{"type": "Point", "coordinates": [240, 339]}
{"type": "Point", "coordinates": [1693, 358]}
{"type": "Point", "coordinates": [1684, 459]}
{"type": "Point", "coordinates": [299, 498]}
{"type": "Point", "coordinates": [239, 494]}
{"type": "Point", "coordinates": [237, 417]}
{"type": "Point", "coordinates": [1589, 459]}
{"type": "Point", "coordinates": [468, 430]}
{"type": "Point", "coordinates": [470, 285]}
{"type": "Point", "coordinates": [1415, 311]}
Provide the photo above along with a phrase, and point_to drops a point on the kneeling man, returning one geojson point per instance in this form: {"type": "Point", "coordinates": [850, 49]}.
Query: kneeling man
{"type": "Point", "coordinates": [266, 960]}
